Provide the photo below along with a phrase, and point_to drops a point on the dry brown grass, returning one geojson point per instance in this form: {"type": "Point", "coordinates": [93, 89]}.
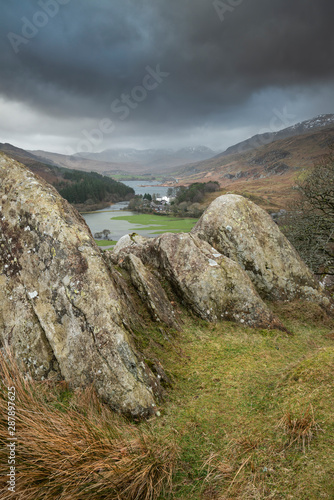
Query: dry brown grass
{"type": "Point", "coordinates": [78, 450]}
{"type": "Point", "coordinates": [304, 312]}
{"type": "Point", "coordinates": [217, 468]}
{"type": "Point", "coordinates": [301, 429]}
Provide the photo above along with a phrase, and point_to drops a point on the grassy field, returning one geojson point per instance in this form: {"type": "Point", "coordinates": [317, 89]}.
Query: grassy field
{"type": "Point", "coordinates": [162, 223]}
{"type": "Point", "coordinates": [252, 410]}
{"type": "Point", "coordinates": [105, 243]}
{"type": "Point", "coordinates": [248, 415]}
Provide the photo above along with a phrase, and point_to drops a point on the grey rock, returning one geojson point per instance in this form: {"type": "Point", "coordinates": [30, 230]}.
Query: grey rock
{"type": "Point", "coordinates": [212, 285]}
{"type": "Point", "coordinates": [245, 233]}
{"type": "Point", "coordinates": [150, 291]}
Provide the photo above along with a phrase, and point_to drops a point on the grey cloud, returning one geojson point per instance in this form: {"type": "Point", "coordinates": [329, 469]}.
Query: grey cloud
{"type": "Point", "coordinates": [90, 53]}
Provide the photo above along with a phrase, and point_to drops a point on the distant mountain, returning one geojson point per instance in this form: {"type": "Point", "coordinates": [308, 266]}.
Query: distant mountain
{"type": "Point", "coordinates": [151, 159]}
{"type": "Point", "coordinates": [258, 140]}
{"type": "Point", "coordinates": [128, 161]}
{"type": "Point", "coordinates": [77, 162]}
{"type": "Point", "coordinates": [292, 153]}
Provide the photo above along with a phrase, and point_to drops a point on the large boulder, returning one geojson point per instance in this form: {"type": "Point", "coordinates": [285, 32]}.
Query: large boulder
{"type": "Point", "coordinates": [212, 285]}
{"type": "Point", "coordinates": [245, 233]}
{"type": "Point", "coordinates": [60, 310]}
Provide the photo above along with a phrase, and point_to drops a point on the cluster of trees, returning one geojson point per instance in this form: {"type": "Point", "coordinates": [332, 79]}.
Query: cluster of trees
{"type": "Point", "coordinates": [185, 200]}
{"type": "Point", "coordinates": [91, 188]}
{"type": "Point", "coordinates": [189, 200]}
{"type": "Point", "coordinates": [196, 192]}
{"type": "Point", "coordinates": [309, 224]}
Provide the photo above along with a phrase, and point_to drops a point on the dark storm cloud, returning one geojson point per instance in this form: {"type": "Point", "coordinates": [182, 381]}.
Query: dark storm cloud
{"type": "Point", "coordinates": [218, 54]}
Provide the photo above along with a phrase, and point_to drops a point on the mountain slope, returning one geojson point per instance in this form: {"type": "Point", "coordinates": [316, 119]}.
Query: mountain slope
{"type": "Point", "coordinates": [77, 162]}
{"type": "Point", "coordinates": [85, 190]}
{"type": "Point", "coordinates": [267, 173]}
{"type": "Point", "coordinates": [156, 159]}
{"type": "Point", "coordinates": [48, 170]}
{"type": "Point", "coordinates": [127, 161]}
{"type": "Point", "coordinates": [301, 128]}
{"type": "Point", "coordinates": [275, 158]}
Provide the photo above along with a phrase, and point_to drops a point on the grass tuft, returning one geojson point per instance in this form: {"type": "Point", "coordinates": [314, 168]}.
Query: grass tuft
{"type": "Point", "coordinates": [299, 429]}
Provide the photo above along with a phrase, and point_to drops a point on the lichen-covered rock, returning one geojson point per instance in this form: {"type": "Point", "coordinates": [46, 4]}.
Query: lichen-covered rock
{"type": "Point", "coordinates": [150, 291]}
{"type": "Point", "coordinates": [134, 241]}
{"type": "Point", "coordinates": [213, 286]}
{"type": "Point", "coordinates": [245, 233]}
{"type": "Point", "coordinates": [60, 310]}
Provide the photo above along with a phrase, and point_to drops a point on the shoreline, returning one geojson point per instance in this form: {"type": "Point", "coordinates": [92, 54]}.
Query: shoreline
{"type": "Point", "coordinates": [88, 209]}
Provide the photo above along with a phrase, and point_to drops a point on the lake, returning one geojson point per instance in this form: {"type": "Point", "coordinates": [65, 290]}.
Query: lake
{"type": "Point", "coordinates": [149, 187]}
{"type": "Point", "coordinates": [105, 219]}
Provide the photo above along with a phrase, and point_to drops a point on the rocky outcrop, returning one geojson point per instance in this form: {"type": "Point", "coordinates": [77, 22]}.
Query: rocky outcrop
{"type": "Point", "coordinates": [245, 233]}
{"type": "Point", "coordinates": [60, 310]}
{"type": "Point", "coordinates": [67, 310]}
{"type": "Point", "coordinates": [212, 285]}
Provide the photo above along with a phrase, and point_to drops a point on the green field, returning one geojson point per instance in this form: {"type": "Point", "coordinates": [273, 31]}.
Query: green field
{"type": "Point", "coordinates": [161, 223]}
{"type": "Point", "coordinates": [105, 243]}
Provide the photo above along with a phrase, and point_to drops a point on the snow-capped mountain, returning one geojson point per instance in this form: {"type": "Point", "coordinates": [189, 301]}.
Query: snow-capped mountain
{"type": "Point", "coordinates": [315, 123]}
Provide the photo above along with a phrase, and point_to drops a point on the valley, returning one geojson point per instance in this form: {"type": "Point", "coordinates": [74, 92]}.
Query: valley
{"type": "Point", "coordinates": [264, 168]}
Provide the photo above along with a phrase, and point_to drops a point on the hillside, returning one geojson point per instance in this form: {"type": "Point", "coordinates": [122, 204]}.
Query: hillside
{"type": "Point", "coordinates": [268, 172]}
{"type": "Point", "coordinates": [47, 170]}
{"type": "Point", "coordinates": [301, 128]}
{"type": "Point", "coordinates": [152, 160]}
{"type": "Point", "coordinates": [85, 190]}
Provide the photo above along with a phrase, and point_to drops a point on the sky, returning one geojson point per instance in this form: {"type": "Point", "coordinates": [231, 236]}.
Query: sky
{"type": "Point", "coordinates": [84, 75]}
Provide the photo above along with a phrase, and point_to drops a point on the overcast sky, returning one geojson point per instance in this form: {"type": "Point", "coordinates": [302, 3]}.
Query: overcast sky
{"type": "Point", "coordinates": [88, 75]}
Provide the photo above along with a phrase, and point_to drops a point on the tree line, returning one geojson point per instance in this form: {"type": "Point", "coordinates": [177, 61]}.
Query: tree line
{"type": "Point", "coordinates": [90, 187]}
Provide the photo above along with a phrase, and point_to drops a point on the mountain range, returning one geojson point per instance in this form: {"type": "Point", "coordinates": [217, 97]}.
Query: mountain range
{"type": "Point", "coordinates": [300, 128]}
{"type": "Point", "coordinates": [129, 160]}
{"type": "Point", "coordinates": [269, 170]}
{"type": "Point", "coordinates": [269, 154]}
{"type": "Point", "coordinates": [266, 165]}
{"type": "Point", "coordinates": [152, 158]}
